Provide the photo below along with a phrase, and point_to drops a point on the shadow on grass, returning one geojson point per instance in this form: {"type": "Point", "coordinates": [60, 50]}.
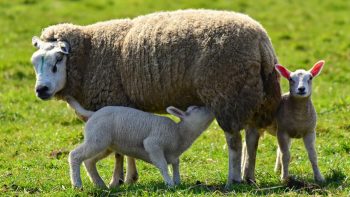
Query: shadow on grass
{"type": "Point", "coordinates": [335, 179]}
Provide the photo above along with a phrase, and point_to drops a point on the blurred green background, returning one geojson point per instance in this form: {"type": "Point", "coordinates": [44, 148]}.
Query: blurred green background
{"type": "Point", "coordinates": [36, 135]}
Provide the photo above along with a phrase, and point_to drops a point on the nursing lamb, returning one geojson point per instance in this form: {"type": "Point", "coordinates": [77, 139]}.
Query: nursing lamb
{"type": "Point", "coordinates": [154, 139]}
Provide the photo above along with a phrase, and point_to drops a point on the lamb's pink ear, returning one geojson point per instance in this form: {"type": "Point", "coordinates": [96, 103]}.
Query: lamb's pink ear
{"type": "Point", "coordinates": [176, 112]}
{"type": "Point", "coordinates": [283, 71]}
{"type": "Point", "coordinates": [316, 69]}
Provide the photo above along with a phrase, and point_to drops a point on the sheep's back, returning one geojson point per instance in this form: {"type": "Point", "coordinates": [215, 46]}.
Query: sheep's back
{"type": "Point", "coordinates": [173, 58]}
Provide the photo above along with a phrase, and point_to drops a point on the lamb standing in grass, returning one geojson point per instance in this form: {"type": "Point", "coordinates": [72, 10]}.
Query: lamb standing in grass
{"type": "Point", "coordinates": [154, 139]}
{"type": "Point", "coordinates": [295, 118]}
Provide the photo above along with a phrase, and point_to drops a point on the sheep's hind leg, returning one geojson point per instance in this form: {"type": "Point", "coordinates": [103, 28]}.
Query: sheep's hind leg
{"type": "Point", "coordinates": [309, 142]}
{"type": "Point", "coordinates": [90, 165]}
{"type": "Point", "coordinates": [131, 171]}
{"type": "Point", "coordinates": [118, 172]}
{"type": "Point", "coordinates": [251, 146]}
{"type": "Point", "coordinates": [234, 143]}
{"type": "Point", "coordinates": [157, 157]}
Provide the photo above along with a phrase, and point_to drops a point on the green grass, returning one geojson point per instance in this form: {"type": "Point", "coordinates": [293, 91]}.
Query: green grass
{"type": "Point", "coordinates": [32, 131]}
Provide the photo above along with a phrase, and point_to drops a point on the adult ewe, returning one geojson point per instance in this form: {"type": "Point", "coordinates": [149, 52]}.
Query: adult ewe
{"type": "Point", "coordinates": [220, 59]}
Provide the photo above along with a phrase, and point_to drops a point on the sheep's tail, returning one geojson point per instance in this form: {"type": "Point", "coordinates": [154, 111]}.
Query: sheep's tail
{"type": "Point", "coordinates": [271, 85]}
{"type": "Point", "coordinates": [85, 114]}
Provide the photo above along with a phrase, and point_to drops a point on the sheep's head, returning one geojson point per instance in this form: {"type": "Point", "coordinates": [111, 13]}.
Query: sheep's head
{"type": "Point", "coordinates": [199, 118]}
{"type": "Point", "coordinates": [50, 67]}
{"type": "Point", "coordinates": [300, 81]}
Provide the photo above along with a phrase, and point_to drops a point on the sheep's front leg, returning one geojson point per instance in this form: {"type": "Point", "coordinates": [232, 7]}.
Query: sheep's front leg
{"type": "Point", "coordinates": [176, 172]}
{"type": "Point", "coordinates": [157, 157]}
{"type": "Point", "coordinates": [118, 172]}
{"type": "Point", "coordinates": [309, 142]}
{"type": "Point", "coordinates": [249, 152]}
{"type": "Point", "coordinates": [131, 171]}
{"type": "Point", "coordinates": [284, 145]}
{"type": "Point", "coordinates": [234, 144]}
{"type": "Point", "coordinates": [90, 166]}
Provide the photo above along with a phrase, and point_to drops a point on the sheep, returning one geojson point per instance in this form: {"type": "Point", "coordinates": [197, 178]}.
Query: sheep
{"type": "Point", "coordinates": [155, 139]}
{"type": "Point", "coordinates": [219, 59]}
{"type": "Point", "coordinates": [295, 118]}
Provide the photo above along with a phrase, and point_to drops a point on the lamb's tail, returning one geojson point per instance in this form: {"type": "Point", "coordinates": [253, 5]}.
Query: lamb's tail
{"type": "Point", "coordinates": [85, 114]}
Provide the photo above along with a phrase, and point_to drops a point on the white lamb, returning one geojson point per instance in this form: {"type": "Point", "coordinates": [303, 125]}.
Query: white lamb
{"type": "Point", "coordinates": [154, 139]}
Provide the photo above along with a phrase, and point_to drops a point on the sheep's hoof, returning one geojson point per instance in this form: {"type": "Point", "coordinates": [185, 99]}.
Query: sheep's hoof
{"type": "Point", "coordinates": [115, 184]}
{"type": "Point", "coordinates": [133, 179]}
{"type": "Point", "coordinates": [250, 181]}
{"type": "Point", "coordinates": [230, 183]}
{"type": "Point", "coordinates": [320, 179]}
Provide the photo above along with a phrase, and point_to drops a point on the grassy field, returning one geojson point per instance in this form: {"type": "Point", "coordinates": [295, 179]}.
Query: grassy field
{"type": "Point", "coordinates": [36, 136]}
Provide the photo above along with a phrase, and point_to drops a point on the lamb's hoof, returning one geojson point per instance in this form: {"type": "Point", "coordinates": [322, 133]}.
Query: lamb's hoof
{"type": "Point", "coordinates": [170, 185]}
{"type": "Point", "coordinates": [78, 187]}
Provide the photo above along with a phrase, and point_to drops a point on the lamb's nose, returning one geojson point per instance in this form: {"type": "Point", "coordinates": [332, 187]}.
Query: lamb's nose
{"type": "Point", "coordinates": [301, 89]}
{"type": "Point", "coordinates": [41, 89]}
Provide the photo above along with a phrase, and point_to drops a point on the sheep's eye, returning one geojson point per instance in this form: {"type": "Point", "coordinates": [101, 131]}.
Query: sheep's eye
{"type": "Point", "coordinates": [59, 58]}
{"type": "Point", "coordinates": [310, 78]}
{"type": "Point", "coordinates": [291, 80]}
{"type": "Point", "coordinates": [54, 69]}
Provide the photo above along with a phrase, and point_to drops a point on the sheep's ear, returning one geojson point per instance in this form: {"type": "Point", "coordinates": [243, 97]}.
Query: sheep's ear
{"type": "Point", "coordinates": [176, 112]}
{"type": "Point", "coordinates": [283, 71]}
{"type": "Point", "coordinates": [316, 69]}
{"type": "Point", "coordinates": [36, 42]}
{"type": "Point", "coordinates": [64, 47]}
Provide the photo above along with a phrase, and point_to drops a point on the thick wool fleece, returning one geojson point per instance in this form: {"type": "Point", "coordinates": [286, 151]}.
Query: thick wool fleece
{"type": "Point", "coordinates": [223, 60]}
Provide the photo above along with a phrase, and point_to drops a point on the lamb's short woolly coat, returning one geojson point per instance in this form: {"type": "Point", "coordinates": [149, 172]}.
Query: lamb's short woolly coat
{"type": "Point", "coordinates": [223, 60]}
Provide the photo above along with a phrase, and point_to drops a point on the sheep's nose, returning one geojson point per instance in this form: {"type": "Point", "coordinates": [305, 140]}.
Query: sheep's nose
{"type": "Point", "coordinates": [301, 89]}
{"type": "Point", "coordinates": [41, 90]}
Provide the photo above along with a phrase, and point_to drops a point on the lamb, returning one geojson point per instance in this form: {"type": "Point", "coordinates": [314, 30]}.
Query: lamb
{"type": "Point", "coordinates": [295, 118]}
{"type": "Point", "coordinates": [218, 59]}
{"type": "Point", "coordinates": [154, 139]}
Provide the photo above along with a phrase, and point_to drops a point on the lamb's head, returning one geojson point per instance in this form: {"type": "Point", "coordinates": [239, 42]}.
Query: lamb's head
{"type": "Point", "coordinates": [300, 81]}
{"type": "Point", "coordinates": [198, 118]}
{"type": "Point", "coordinates": [50, 67]}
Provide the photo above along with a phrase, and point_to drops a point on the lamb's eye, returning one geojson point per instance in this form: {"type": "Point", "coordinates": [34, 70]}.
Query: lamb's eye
{"type": "Point", "coordinates": [54, 69]}
{"type": "Point", "coordinates": [310, 78]}
{"type": "Point", "coordinates": [290, 80]}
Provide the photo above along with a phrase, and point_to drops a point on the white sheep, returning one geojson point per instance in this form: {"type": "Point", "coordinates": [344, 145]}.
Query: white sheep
{"type": "Point", "coordinates": [219, 59]}
{"type": "Point", "coordinates": [295, 118]}
{"type": "Point", "coordinates": [154, 139]}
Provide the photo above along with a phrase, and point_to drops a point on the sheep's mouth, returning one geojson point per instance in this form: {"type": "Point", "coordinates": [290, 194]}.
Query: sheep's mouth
{"type": "Point", "coordinates": [44, 96]}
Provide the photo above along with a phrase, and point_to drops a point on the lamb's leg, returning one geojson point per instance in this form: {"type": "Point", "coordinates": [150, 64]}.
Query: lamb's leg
{"type": "Point", "coordinates": [251, 143]}
{"type": "Point", "coordinates": [176, 172]}
{"type": "Point", "coordinates": [131, 171]}
{"type": "Point", "coordinates": [309, 142]}
{"type": "Point", "coordinates": [278, 161]}
{"type": "Point", "coordinates": [118, 172]}
{"type": "Point", "coordinates": [77, 156]}
{"type": "Point", "coordinates": [90, 165]}
{"type": "Point", "coordinates": [157, 157]}
{"type": "Point", "coordinates": [234, 144]}
{"type": "Point", "coordinates": [284, 145]}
